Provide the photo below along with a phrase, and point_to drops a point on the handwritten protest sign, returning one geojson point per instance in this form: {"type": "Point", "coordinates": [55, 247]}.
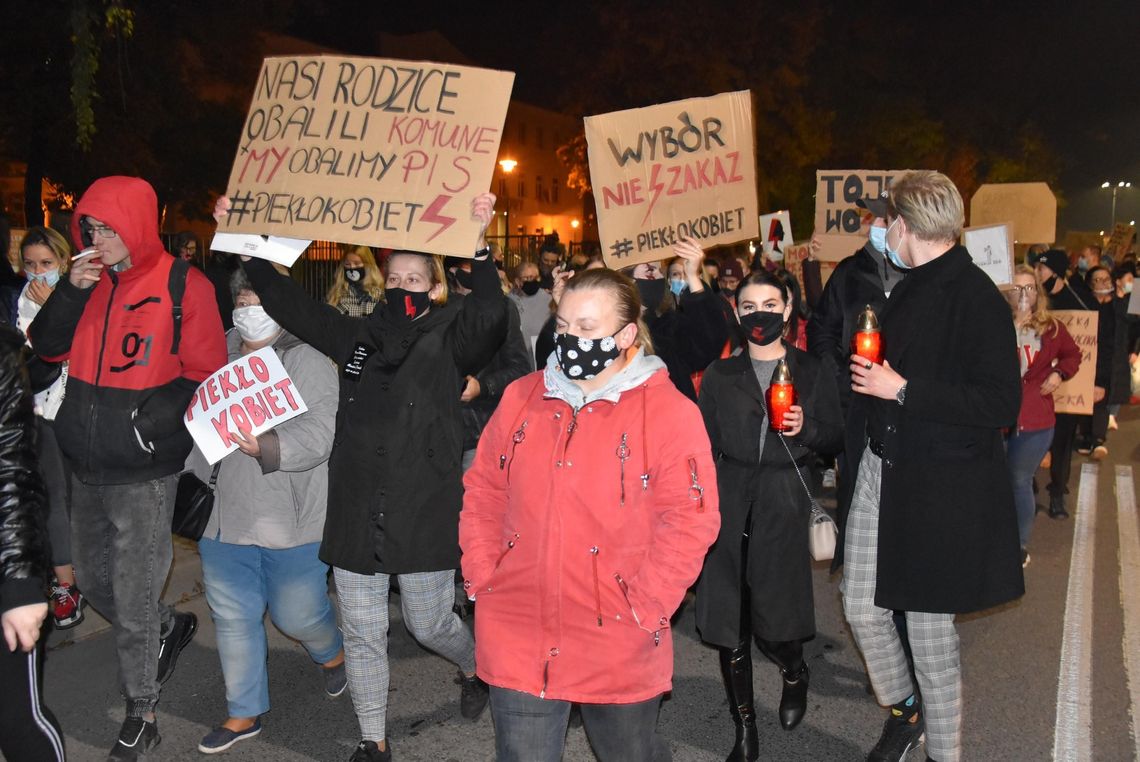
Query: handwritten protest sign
{"type": "Point", "coordinates": [1076, 395]}
{"type": "Point", "coordinates": [840, 225]}
{"type": "Point", "coordinates": [776, 232]}
{"type": "Point", "coordinates": [663, 172]}
{"type": "Point", "coordinates": [1120, 239]}
{"type": "Point", "coordinates": [367, 151]}
{"type": "Point", "coordinates": [1029, 208]}
{"type": "Point", "coordinates": [252, 394]}
{"type": "Point", "coordinates": [991, 248]}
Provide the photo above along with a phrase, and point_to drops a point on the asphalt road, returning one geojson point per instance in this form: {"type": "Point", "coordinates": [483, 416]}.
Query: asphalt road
{"type": "Point", "coordinates": [1013, 661]}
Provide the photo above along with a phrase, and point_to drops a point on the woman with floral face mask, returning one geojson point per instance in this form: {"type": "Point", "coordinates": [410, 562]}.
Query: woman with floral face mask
{"type": "Point", "coordinates": [587, 513]}
{"type": "Point", "coordinates": [757, 577]}
{"type": "Point", "coordinates": [358, 285]}
{"type": "Point", "coordinates": [46, 256]}
{"type": "Point", "coordinates": [1048, 356]}
{"type": "Point", "coordinates": [259, 550]}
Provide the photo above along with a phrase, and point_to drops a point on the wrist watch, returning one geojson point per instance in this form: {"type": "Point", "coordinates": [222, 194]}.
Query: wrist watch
{"type": "Point", "coordinates": [900, 395]}
{"type": "Point", "coordinates": [486, 250]}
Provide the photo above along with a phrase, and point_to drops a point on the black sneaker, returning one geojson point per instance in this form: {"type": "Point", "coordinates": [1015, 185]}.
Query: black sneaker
{"type": "Point", "coordinates": [368, 751]}
{"type": "Point", "coordinates": [472, 697]}
{"type": "Point", "coordinates": [136, 738]}
{"type": "Point", "coordinates": [180, 635]}
{"type": "Point", "coordinates": [1057, 507]}
{"type": "Point", "coordinates": [900, 735]}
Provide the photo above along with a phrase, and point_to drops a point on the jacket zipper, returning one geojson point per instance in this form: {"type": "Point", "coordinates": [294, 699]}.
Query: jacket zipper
{"type": "Point", "coordinates": [623, 456]}
{"type": "Point", "coordinates": [696, 491]}
{"type": "Point", "coordinates": [597, 588]}
{"type": "Point", "coordinates": [94, 414]}
{"type": "Point", "coordinates": [625, 594]}
{"type": "Point", "coordinates": [516, 439]}
{"type": "Point", "coordinates": [506, 550]}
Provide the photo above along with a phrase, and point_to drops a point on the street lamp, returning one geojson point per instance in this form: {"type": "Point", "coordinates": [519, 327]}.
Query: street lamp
{"type": "Point", "coordinates": [1115, 187]}
{"type": "Point", "coordinates": [508, 166]}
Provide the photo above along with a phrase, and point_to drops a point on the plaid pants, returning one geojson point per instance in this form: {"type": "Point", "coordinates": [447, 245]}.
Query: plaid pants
{"type": "Point", "coordinates": [426, 599]}
{"type": "Point", "coordinates": [933, 638]}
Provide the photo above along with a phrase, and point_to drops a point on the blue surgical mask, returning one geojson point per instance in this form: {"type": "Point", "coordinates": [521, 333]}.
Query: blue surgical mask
{"type": "Point", "coordinates": [51, 277]}
{"type": "Point", "coordinates": [678, 287]}
{"type": "Point", "coordinates": [878, 239]}
{"type": "Point", "coordinates": [1083, 266]}
{"type": "Point", "coordinates": [893, 254]}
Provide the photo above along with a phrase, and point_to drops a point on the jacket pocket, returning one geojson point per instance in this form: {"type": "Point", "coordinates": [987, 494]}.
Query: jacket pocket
{"type": "Point", "coordinates": [493, 578]}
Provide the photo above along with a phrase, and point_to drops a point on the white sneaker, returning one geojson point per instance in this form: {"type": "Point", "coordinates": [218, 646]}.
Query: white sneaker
{"type": "Point", "coordinates": [1112, 426]}
{"type": "Point", "coordinates": [829, 478]}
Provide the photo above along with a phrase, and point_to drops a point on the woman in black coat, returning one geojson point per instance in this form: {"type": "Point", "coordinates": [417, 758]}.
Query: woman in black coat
{"type": "Point", "coordinates": [395, 477]}
{"type": "Point", "coordinates": [757, 576]}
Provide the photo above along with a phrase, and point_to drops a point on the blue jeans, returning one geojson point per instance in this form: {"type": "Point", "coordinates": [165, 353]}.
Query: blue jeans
{"type": "Point", "coordinates": [241, 581]}
{"type": "Point", "coordinates": [531, 729]}
{"type": "Point", "coordinates": [1024, 451]}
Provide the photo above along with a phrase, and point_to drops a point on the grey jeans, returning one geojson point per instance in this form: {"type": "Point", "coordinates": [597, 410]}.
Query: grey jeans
{"type": "Point", "coordinates": [121, 547]}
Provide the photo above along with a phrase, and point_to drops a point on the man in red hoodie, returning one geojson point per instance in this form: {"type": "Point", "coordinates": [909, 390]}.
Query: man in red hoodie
{"type": "Point", "coordinates": [135, 362]}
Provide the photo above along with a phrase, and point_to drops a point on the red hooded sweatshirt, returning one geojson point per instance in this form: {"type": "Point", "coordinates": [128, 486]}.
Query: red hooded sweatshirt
{"type": "Point", "coordinates": [121, 419]}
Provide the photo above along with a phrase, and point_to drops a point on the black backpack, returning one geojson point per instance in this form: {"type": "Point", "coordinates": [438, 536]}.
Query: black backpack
{"type": "Point", "coordinates": [177, 287]}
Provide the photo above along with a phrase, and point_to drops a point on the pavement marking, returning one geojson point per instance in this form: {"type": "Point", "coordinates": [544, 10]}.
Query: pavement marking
{"type": "Point", "coordinates": [1130, 591]}
{"type": "Point", "coordinates": [1072, 737]}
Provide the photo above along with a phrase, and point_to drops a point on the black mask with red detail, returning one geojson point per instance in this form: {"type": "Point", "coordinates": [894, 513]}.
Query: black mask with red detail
{"type": "Point", "coordinates": [405, 306]}
{"type": "Point", "coordinates": [762, 328]}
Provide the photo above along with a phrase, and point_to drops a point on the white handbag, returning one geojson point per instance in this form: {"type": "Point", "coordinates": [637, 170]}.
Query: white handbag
{"type": "Point", "coordinates": [822, 531]}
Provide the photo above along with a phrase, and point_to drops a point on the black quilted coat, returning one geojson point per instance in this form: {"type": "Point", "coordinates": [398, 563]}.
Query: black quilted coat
{"type": "Point", "coordinates": [23, 537]}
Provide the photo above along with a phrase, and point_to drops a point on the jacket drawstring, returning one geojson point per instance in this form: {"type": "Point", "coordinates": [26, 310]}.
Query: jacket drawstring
{"type": "Point", "coordinates": [644, 440]}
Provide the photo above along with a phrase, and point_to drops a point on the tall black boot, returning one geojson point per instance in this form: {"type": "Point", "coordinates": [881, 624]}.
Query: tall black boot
{"type": "Point", "coordinates": [788, 655]}
{"type": "Point", "coordinates": [736, 669]}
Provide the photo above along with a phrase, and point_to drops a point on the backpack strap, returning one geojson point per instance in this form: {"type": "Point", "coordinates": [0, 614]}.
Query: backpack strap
{"type": "Point", "coordinates": [177, 287]}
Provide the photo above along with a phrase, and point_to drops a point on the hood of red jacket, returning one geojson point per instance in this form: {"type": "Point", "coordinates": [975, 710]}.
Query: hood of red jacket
{"type": "Point", "coordinates": [129, 206]}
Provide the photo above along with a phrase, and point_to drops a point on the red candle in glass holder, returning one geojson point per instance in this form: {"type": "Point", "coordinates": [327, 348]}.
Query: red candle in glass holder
{"type": "Point", "coordinates": [868, 341]}
{"type": "Point", "coordinates": [781, 395]}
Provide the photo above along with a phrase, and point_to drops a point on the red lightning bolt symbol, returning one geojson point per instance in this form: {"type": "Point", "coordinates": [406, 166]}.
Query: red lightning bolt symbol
{"type": "Point", "coordinates": [432, 215]}
{"type": "Point", "coordinates": [656, 187]}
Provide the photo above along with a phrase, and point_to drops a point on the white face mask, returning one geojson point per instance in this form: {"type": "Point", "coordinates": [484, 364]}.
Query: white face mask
{"type": "Point", "coordinates": [254, 323]}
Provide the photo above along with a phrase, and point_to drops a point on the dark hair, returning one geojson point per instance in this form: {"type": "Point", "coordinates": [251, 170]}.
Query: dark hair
{"type": "Point", "coordinates": [1095, 269]}
{"type": "Point", "coordinates": [782, 282]}
{"type": "Point", "coordinates": [800, 310]}
{"type": "Point", "coordinates": [1122, 270]}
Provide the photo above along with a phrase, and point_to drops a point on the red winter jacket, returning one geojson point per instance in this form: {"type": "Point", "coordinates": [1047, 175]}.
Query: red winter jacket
{"type": "Point", "coordinates": [576, 560]}
{"type": "Point", "coordinates": [123, 377]}
{"type": "Point", "coordinates": [1058, 353]}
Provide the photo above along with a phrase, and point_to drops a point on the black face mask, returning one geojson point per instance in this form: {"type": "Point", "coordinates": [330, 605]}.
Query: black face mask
{"type": "Point", "coordinates": [651, 292]}
{"type": "Point", "coordinates": [762, 328]}
{"type": "Point", "coordinates": [354, 275]}
{"type": "Point", "coordinates": [463, 278]}
{"type": "Point", "coordinates": [1049, 284]}
{"type": "Point", "coordinates": [582, 359]}
{"type": "Point", "coordinates": [405, 306]}
{"type": "Point", "coordinates": [530, 287]}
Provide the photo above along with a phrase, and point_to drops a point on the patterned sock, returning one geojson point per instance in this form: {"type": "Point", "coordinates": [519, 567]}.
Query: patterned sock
{"type": "Point", "coordinates": [906, 709]}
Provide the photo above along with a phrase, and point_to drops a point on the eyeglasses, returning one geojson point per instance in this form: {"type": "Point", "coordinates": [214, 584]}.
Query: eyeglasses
{"type": "Point", "coordinates": [100, 230]}
{"type": "Point", "coordinates": [1024, 289]}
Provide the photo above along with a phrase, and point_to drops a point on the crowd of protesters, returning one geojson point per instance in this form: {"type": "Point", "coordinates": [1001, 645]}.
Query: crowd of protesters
{"type": "Point", "coordinates": [586, 445]}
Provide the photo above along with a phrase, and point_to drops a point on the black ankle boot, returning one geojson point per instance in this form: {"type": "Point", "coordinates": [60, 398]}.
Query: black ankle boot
{"type": "Point", "coordinates": [736, 669]}
{"type": "Point", "coordinates": [793, 700]}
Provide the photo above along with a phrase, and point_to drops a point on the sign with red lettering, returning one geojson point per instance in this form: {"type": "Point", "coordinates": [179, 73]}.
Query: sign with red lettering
{"type": "Point", "coordinates": [252, 395]}
{"type": "Point", "coordinates": [1075, 396]}
{"type": "Point", "coordinates": [664, 172]}
{"type": "Point", "coordinates": [841, 226]}
{"type": "Point", "coordinates": [367, 151]}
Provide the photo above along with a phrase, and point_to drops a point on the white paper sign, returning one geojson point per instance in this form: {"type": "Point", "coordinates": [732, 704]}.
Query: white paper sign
{"type": "Point", "coordinates": [252, 394]}
{"type": "Point", "coordinates": [776, 233]}
{"type": "Point", "coordinates": [991, 248]}
{"type": "Point", "coordinates": [1134, 303]}
{"type": "Point", "coordinates": [283, 251]}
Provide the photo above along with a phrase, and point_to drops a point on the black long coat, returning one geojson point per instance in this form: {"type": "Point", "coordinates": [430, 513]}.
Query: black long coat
{"type": "Point", "coordinates": [395, 482]}
{"type": "Point", "coordinates": [948, 538]}
{"type": "Point", "coordinates": [764, 496]}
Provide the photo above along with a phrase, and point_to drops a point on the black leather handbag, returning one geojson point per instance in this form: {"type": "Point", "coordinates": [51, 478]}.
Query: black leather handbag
{"type": "Point", "coordinates": [193, 504]}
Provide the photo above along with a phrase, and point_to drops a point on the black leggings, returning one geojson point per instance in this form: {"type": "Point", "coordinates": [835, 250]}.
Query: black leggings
{"type": "Point", "coordinates": [29, 731]}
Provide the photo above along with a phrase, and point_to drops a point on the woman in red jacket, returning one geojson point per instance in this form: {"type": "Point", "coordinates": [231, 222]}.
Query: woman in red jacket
{"type": "Point", "coordinates": [1048, 356]}
{"type": "Point", "coordinates": [587, 513]}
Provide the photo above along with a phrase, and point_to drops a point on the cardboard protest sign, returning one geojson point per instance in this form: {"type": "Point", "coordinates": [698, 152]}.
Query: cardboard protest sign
{"type": "Point", "coordinates": [776, 232]}
{"type": "Point", "coordinates": [1076, 395]}
{"type": "Point", "coordinates": [367, 151]}
{"type": "Point", "coordinates": [991, 248]}
{"type": "Point", "coordinates": [252, 394]}
{"type": "Point", "coordinates": [663, 172]}
{"type": "Point", "coordinates": [1120, 239]}
{"type": "Point", "coordinates": [1029, 208]}
{"type": "Point", "coordinates": [840, 225]}
{"type": "Point", "coordinates": [794, 258]}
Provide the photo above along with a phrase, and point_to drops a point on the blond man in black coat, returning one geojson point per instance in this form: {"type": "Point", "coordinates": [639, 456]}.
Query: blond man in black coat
{"type": "Point", "coordinates": [930, 526]}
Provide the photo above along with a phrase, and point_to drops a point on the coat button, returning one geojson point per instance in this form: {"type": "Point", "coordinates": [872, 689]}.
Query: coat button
{"type": "Point", "coordinates": [381, 451]}
{"type": "Point", "coordinates": [384, 386]}
{"type": "Point", "coordinates": [554, 652]}
{"type": "Point", "coordinates": [557, 416]}
{"type": "Point", "coordinates": [888, 464]}
{"type": "Point", "coordinates": [891, 428]}
{"type": "Point", "coordinates": [405, 343]}
{"type": "Point", "coordinates": [558, 464]}
{"type": "Point", "coordinates": [431, 453]}
{"type": "Point", "coordinates": [352, 399]}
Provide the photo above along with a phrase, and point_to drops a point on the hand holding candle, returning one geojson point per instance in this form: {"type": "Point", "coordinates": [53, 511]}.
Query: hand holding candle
{"type": "Point", "coordinates": [781, 399]}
